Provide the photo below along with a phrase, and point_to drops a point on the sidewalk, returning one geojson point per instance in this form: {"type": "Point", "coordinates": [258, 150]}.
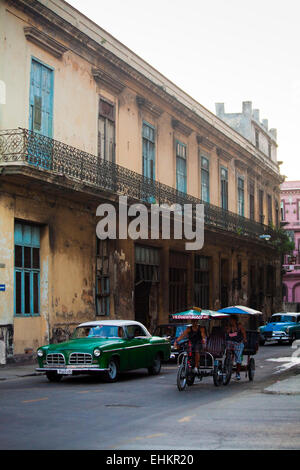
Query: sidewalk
{"type": "Point", "coordinates": [289, 386]}
{"type": "Point", "coordinates": [12, 371]}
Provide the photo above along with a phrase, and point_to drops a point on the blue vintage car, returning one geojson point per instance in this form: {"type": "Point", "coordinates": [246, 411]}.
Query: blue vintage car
{"type": "Point", "coordinates": [282, 327]}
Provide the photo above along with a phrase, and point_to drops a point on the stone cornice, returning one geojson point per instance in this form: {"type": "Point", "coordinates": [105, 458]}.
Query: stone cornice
{"type": "Point", "coordinates": [240, 164]}
{"type": "Point", "coordinates": [153, 109]}
{"type": "Point", "coordinates": [205, 142]}
{"type": "Point", "coordinates": [44, 41]}
{"type": "Point", "coordinates": [224, 154]}
{"type": "Point", "coordinates": [182, 128]}
{"type": "Point", "coordinates": [107, 80]}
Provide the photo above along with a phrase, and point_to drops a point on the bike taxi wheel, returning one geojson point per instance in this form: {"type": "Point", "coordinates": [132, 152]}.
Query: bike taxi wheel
{"type": "Point", "coordinates": [218, 374]}
{"type": "Point", "coordinates": [181, 377]}
{"type": "Point", "coordinates": [190, 379]}
{"type": "Point", "coordinates": [227, 369]}
{"type": "Point", "coordinates": [251, 369]}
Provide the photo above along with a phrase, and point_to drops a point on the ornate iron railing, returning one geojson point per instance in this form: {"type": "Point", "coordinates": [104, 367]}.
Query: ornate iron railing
{"type": "Point", "coordinates": [21, 145]}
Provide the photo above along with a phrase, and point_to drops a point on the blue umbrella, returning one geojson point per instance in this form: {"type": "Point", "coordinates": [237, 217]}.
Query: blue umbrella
{"type": "Point", "coordinates": [240, 310]}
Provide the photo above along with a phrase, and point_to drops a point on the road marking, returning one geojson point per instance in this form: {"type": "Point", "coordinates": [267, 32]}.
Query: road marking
{"type": "Point", "coordinates": [35, 400]}
{"type": "Point", "coordinates": [186, 419]}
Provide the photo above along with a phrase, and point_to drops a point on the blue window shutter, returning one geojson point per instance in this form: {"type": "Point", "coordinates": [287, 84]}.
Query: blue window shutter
{"type": "Point", "coordinates": [41, 99]}
{"type": "Point", "coordinates": [27, 269]}
{"type": "Point", "coordinates": [148, 151]}
{"type": "Point", "coordinates": [181, 167]}
{"type": "Point", "coordinates": [41, 113]}
{"type": "Point", "coordinates": [18, 234]}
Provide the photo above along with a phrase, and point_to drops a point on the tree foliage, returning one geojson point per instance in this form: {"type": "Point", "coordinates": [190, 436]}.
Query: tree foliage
{"type": "Point", "coordinates": [281, 241]}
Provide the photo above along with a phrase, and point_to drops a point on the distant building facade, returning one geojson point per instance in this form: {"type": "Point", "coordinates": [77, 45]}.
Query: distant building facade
{"type": "Point", "coordinates": [290, 214]}
{"type": "Point", "coordinates": [85, 121]}
{"type": "Point", "coordinates": [248, 124]}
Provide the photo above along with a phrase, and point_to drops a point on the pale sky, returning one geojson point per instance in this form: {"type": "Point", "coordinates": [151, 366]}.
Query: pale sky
{"type": "Point", "coordinates": [219, 51]}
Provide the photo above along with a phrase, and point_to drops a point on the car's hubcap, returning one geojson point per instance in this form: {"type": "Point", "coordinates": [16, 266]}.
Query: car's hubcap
{"type": "Point", "coordinates": [112, 370]}
{"type": "Point", "coordinates": [157, 364]}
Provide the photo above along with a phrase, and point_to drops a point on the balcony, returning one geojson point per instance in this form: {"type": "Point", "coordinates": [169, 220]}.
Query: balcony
{"type": "Point", "coordinates": [20, 147]}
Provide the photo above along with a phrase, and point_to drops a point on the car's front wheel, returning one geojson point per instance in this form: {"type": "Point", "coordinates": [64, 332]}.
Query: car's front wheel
{"type": "Point", "coordinates": [292, 339]}
{"type": "Point", "coordinates": [112, 373]}
{"type": "Point", "coordinates": [155, 368]}
{"type": "Point", "coordinates": [53, 376]}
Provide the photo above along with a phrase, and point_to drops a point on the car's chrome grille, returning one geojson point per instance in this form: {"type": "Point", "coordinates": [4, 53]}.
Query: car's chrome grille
{"type": "Point", "coordinates": [268, 334]}
{"type": "Point", "coordinates": [80, 358]}
{"type": "Point", "coordinates": [55, 359]}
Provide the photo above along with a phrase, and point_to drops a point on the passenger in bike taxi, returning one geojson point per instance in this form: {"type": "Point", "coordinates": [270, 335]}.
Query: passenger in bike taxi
{"type": "Point", "coordinates": [196, 336]}
{"type": "Point", "coordinates": [235, 340]}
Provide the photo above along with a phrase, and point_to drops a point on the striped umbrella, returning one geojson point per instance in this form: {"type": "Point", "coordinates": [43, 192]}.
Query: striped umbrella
{"type": "Point", "coordinates": [196, 313]}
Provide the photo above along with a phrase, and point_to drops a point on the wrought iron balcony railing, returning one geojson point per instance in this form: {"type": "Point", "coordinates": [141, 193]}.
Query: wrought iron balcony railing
{"type": "Point", "coordinates": [21, 145]}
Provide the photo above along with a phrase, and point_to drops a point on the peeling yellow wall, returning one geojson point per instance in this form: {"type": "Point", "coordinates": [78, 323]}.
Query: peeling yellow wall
{"type": "Point", "coordinates": [67, 266]}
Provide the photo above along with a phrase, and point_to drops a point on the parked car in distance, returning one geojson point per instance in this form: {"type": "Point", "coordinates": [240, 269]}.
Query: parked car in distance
{"type": "Point", "coordinates": [106, 347]}
{"type": "Point", "coordinates": [171, 331]}
{"type": "Point", "coordinates": [282, 327]}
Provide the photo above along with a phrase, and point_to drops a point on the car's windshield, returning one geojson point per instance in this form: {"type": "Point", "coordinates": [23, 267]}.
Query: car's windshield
{"type": "Point", "coordinates": [98, 331]}
{"type": "Point", "coordinates": [282, 318]}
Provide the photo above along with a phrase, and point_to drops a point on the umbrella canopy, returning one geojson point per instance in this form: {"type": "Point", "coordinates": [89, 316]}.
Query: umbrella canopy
{"type": "Point", "coordinates": [198, 314]}
{"type": "Point", "coordinates": [240, 310]}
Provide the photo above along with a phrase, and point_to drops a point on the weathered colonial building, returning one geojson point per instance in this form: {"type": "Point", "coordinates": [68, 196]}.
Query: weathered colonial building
{"type": "Point", "coordinates": [85, 121]}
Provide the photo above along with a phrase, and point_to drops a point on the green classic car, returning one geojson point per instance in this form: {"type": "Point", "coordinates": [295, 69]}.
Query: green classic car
{"type": "Point", "coordinates": [107, 347]}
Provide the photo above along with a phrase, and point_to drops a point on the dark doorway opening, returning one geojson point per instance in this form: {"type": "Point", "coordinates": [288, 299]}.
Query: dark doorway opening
{"type": "Point", "coordinates": [224, 282]}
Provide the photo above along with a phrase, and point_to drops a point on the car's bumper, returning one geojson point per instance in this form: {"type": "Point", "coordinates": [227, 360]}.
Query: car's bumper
{"type": "Point", "coordinates": [276, 336]}
{"type": "Point", "coordinates": [68, 370]}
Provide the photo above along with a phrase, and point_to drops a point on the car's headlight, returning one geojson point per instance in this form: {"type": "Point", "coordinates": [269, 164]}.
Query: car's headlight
{"type": "Point", "coordinates": [40, 352]}
{"type": "Point", "coordinates": [97, 352]}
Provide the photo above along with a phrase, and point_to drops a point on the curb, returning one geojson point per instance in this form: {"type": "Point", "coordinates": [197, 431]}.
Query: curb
{"type": "Point", "coordinates": [290, 386]}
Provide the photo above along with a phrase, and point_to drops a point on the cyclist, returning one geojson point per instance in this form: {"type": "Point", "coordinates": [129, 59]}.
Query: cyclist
{"type": "Point", "coordinates": [197, 336]}
{"type": "Point", "coordinates": [235, 340]}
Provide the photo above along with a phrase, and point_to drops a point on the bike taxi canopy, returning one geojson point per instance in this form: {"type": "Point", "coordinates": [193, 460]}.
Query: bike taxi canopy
{"type": "Point", "coordinates": [196, 313]}
{"type": "Point", "coordinates": [239, 310]}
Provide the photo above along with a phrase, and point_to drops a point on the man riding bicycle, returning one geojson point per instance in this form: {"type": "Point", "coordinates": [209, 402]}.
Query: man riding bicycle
{"type": "Point", "coordinates": [235, 340]}
{"type": "Point", "coordinates": [196, 336]}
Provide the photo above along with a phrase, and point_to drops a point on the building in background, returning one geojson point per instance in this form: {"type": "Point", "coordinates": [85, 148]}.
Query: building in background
{"type": "Point", "coordinates": [86, 121]}
{"type": "Point", "coordinates": [248, 124]}
{"type": "Point", "coordinates": [290, 213]}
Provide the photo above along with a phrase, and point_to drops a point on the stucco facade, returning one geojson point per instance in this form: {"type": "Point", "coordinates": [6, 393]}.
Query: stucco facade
{"type": "Point", "coordinates": [102, 104]}
{"type": "Point", "coordinates": [290, 212]}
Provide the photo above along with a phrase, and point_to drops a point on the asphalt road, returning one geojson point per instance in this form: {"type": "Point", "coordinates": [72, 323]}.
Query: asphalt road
{"type": "Point", "coordinates": [145, 412]}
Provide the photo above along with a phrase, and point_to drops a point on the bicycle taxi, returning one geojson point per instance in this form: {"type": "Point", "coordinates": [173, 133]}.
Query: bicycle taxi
{"type": "Point", "coordinates": [250, 317]}
{"type": "Point", "coordinates": [216, 360]}
{"type": "Point", "coordinates": [213, 359]}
